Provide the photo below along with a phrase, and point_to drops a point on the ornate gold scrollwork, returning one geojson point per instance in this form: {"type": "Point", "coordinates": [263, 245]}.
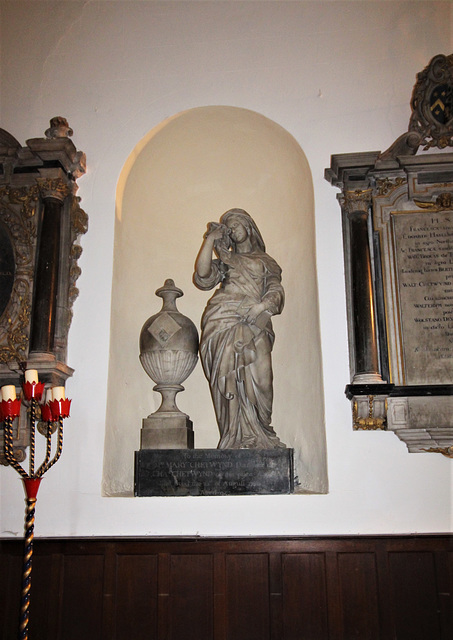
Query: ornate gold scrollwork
{"type": "Point", "coordinates": [445, 451]}
{"type": "Point", "coordinates": [22, 225]}
{"type": "Point", "coordinates": [357, 200]}
{"type": "Point", "coordinates": [371, 423]}
{"type": "Point", "coordinates": [17, 325]}
{"type": "Point", "coordinates": [53, 188]}
{"type": "Point", "coordinates": [386, 185]}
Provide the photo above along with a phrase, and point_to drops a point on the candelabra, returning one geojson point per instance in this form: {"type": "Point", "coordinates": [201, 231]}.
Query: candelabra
{"type": "Point", "coordinates": [53, 412]}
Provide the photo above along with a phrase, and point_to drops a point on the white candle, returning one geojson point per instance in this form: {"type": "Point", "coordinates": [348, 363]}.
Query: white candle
{"type": "Point", "coordinates": [31, 375]}
{"type": "Point", "coordinates": [8, 392]}
{"type": "Point", "coordinates": [48, 395]}
{"type": "Point", "coordinates": [58, 393]}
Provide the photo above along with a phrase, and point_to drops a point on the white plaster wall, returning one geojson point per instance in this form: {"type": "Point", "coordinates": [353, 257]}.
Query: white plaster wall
{"type": "Point", "coordinates": [338, 77]}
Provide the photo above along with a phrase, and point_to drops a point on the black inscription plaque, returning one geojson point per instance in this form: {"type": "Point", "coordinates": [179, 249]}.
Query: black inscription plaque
{"type": "Point", "coordinates": [213, 472]}
{"type": "Point", "coordinates": [424, 261]}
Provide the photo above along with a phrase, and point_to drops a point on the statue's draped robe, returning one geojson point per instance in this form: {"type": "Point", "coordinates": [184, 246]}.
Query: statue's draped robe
{"type": "Point", "coordinates": [236, 354]}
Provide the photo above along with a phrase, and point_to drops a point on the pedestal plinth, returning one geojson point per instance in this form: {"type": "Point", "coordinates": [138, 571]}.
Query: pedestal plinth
{"type": "Point", "coordinates": [213, 472]}
{"type": "Point", "coordinates": [167, 431]}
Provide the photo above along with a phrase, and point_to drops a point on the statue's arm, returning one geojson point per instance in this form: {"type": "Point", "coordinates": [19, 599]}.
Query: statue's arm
{"type": "Point", "coordinates": [274, 298]}
{"type": "Point", "coordinates": [204, 259]}
{"type": "Point", "coordinates": [207, 273]}
{"type": "Point", "coordinates": [271, 303]}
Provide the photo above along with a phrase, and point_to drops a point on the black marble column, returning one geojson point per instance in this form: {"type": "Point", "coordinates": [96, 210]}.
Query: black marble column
{"type": "Point", "coordinates": [47, 271]}
{"type": "Point", "coordinates": [366, 359]}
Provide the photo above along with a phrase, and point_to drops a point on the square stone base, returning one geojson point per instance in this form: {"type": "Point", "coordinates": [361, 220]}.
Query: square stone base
{"type": "Point", "coordinates": [213, 472]}
{"type": "Point", "coordinates": [167, 431]}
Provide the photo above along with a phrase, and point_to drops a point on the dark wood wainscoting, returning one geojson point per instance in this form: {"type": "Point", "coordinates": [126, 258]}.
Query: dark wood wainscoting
{"type": "Point", "coordinates": [336, 588]}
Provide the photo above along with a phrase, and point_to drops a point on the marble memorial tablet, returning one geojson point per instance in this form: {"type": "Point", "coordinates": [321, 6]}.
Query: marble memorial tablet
{"type": "Point", "coordinates": [424, 267]}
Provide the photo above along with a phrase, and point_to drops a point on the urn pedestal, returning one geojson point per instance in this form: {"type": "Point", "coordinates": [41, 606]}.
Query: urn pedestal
{"type": "Point", "coordinates": [168, 354]}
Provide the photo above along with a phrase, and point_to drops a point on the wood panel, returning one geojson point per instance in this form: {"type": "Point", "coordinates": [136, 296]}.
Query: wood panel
{"type": "Point", "coordinates": [305, 612]}
{"type": "Point", "coordinates": [445, 572]}
{"type": "Point", "coordinates": [359, 595]}
{"type": "Point", "coordinates": [342, 588]}
{"type": "Point", "coordinates": [10, 574]}
{"type": "Point", "coordinates": [191, 597]}
{"type": "Point", "coordinates": [247, 595]}
{"type": "Point", "coordinates": [81, 603]}
{"type": "Point", "coordinates": [135, 594]}
{"type": "Point", "coordinates": [414, 591]}
{"type": "Point", "coordinates": [41, 609]}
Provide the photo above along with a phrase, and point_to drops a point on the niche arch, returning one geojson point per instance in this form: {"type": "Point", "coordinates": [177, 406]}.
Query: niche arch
{"type": "Point", "coordinates": [184, 173]}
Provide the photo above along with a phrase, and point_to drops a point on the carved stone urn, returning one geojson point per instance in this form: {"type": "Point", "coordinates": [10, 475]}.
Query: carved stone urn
{"type": "Point", "coordinates": [168, 354]}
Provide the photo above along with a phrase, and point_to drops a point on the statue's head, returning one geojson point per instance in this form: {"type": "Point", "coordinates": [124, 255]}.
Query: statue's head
{"type": "Point", "coordinates": [246, 221]}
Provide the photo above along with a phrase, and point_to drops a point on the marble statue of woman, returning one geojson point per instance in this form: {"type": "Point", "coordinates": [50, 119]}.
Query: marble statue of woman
{"type": "Point", "coordinates": [237, 336]}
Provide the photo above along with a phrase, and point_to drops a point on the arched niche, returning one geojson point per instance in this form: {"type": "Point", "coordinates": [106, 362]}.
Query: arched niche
{"type": "Point", "coordinates": [186, 172]}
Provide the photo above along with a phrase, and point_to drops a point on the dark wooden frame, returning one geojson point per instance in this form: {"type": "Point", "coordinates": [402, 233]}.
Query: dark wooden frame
{"type": "Point", "coordinates": [234, 589]}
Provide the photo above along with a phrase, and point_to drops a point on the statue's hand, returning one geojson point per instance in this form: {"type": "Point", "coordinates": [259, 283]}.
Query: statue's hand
{"type": "Point", "coordinates": [254, 311]}
{"type": "Point", "coordinates": [216, 231]}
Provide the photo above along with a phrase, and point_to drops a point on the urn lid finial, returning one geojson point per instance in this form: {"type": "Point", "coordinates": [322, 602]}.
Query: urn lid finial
{"type": "Point", "coordinates": [169, 292]}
